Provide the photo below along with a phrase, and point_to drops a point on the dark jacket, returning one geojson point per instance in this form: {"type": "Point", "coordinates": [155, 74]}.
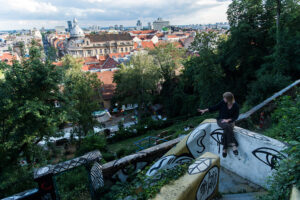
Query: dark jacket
{"type": "Point", "coordinates": [224, 112]}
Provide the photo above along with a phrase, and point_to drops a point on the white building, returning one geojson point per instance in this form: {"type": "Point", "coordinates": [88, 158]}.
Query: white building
{"type": "Point", "coordinates": [159, 24]}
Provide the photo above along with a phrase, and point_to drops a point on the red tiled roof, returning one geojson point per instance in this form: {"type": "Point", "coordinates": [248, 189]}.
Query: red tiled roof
{"type": "Point", "coordinates": [7, 58]}
{"type": "Point", "coordinates": [118, 55]}
{"type": "Point", "coordinates": [92, 63]}
{"type": "Point", "coordinates": [106, 77]}
{"type": "Point", "coordinates": [178, 44]}
{"type": "Point", "coordinates": [59, 63]}
{"type": "Point", "coordinates": [85, 68]}
{"type": "Point", "coordinates": [143, 32]}
{"type": "Point", "coordinates": [145, 37]}
{"type": "Point", "coordinates": [172, 36]}
{"type": "Point", "coordinates": [110, 63]}
{"type": "Point", "coordinates": [90, 59]}
{"type": "Point", "coordinates": [144, 45]}
{"type": "Point", "coordinates": [147, 44]}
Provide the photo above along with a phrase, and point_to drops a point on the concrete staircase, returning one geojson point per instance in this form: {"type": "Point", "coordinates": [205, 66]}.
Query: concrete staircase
{"type": "Point", "coordinates": [242, 196]}
{"type": "Point", "coordinates": [234, 187]}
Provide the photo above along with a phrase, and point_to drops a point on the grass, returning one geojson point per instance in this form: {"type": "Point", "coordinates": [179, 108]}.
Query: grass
{"type": "Point", "coordinates": [175, 131]}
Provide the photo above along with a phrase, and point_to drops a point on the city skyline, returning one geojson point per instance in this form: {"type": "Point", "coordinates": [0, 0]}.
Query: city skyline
{"type": "Point", "coordinates": [27, 14]}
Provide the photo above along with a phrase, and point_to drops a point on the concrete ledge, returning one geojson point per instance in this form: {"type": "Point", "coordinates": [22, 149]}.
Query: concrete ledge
{"type": "Point", "coordinates": [295, 194]}
{"type": "Point", "coordinates": [146, 155]}
{"type": "Point", "coordinates": [200, 182]}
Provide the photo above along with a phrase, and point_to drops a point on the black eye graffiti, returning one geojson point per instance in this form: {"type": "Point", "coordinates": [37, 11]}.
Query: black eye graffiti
{"type": "Point", "coordinates": [272, 156]}
{"type": "Point", "coordinates": [217, 135]}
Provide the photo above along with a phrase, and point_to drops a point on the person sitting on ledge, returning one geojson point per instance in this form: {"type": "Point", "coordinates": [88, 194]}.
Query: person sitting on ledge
{"type": "Point", "coordinates": [228, 114]}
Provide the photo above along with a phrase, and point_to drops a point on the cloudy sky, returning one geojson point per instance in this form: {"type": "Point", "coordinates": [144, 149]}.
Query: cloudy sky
{"type": "Point", "coordinates": [18, 14]}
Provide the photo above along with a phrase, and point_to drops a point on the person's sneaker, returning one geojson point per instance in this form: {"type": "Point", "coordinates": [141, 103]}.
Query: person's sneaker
{"type": "Point", "coordinates": [235, 152]}
{"type": "Point", "coordinates": [224, 154]}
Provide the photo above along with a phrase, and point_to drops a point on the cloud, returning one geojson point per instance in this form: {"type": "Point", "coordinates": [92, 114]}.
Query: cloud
{"type": "Point", "coordinates": [30, 6]}
{"type": "Point", "coordinates": [110, 12]}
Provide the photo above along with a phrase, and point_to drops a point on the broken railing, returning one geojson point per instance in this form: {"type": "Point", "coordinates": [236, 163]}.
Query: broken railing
{"type": "Point", "coordinates": [45, 176]}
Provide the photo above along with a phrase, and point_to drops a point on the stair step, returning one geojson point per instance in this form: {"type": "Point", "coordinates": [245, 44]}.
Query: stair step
{"type": "Point", "coordinates": [241, 196]}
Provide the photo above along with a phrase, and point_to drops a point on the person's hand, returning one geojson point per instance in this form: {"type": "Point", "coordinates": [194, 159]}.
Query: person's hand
{"type": "Point", "coordinates": [201, 111]}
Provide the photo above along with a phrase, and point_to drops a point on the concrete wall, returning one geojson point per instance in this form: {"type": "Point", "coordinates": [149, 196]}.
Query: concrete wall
{"type": "Point", "coordinates": [200, 182]}
{"type": "Point", "coordinates": [255, 162]}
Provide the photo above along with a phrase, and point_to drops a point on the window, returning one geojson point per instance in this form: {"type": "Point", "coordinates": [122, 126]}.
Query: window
{"type": "Point", "coordinates": [115, 50]}
{"type": "Point", "coordinates": [100, 50]}
{"type": "Point", "coordinates": [126, 49]}
{"type": "Point", "coordinates": [121, 49]}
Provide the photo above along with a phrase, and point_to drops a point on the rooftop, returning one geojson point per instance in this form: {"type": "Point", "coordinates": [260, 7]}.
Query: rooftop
{"type": "Point", "coordinates": [109, 37]}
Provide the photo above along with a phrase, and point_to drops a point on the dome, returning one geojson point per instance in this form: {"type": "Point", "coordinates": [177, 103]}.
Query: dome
{"type": "Point", "coordinates": [76, 31]}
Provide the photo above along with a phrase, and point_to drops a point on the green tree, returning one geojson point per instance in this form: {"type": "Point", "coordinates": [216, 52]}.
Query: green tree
{"type": "Point", "coordinates": [168, 58]}
{"type": "Point", "coordinates": [138, 81]}
{"type": "Point", "coordinates": [83, 91]}
{"type": "Point", "coordinates": [52, 54]}
{"type": "Point", "coordinates": [28, 114]}
{"type": "Point", "coordinates": [203, 74]}
{"type": "Point", "coordinates": [247, 45]}
{"type": "Point", "coordinates": [28, 93]}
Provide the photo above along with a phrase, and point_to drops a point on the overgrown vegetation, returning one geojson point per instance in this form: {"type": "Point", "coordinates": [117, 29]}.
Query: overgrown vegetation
{"type": "Point", "coordinates": [142, 187]}
{"type": "Point", "coordinates": [286, 121]}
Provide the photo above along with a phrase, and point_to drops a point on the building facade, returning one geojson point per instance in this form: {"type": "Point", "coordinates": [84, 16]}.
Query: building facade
{"type": "Point", "coordinates": [159, 24]}
{"type": "Point", "coordinates": [80, 45]}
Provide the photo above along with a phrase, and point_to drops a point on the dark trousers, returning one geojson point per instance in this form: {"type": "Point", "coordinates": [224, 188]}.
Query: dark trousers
{"type": "Point", "coordinates": [228, 135]}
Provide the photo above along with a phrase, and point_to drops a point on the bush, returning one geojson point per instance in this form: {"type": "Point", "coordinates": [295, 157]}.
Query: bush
{"type": "Point", "coordinates": [140, 129]}
{"type": "Point", "coordinates": [73, 184]}
{"type": "Point", "coordinates": [287, 174]}
{"type": "Point", "coordinates": [286, 127]}
{"type": "Point", "coordinates": [91, 143]}
{"type": "Point", "coordinates": [107, 156]}
{"type": "Point", "coordinates": [286, 119]}
{"type": "Point", "coordinates": [16, 179]}
{"type": "Point", "coordinates": [265, 86]}
{"type": "Point", "coordinates": [140, 186]}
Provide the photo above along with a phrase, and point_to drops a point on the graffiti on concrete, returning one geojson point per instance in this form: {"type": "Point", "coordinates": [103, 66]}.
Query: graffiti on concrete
{"type": "Point", "coordinates": [268, 156]}
{"type": "Point", "coordinates": [217, 135]}
{"type": "Point", "coordinates": [253, 135]}
{"type": "Point", "coordinates": [200, 165]}
{"type": "Point", "coordinates": [96, 176]}
{"type": "Point", "coordinates": [208, 184]}
{"type": "Point", "coordinates": [195, 144]}
{"type": "Point", "coordinates": [168, 162]}
{"type": "Point", "coordinates": [124, 173]}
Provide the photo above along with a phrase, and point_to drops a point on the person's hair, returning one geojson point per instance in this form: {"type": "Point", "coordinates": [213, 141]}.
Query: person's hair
{"type": "Point", "coordinates": [229, 97]}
